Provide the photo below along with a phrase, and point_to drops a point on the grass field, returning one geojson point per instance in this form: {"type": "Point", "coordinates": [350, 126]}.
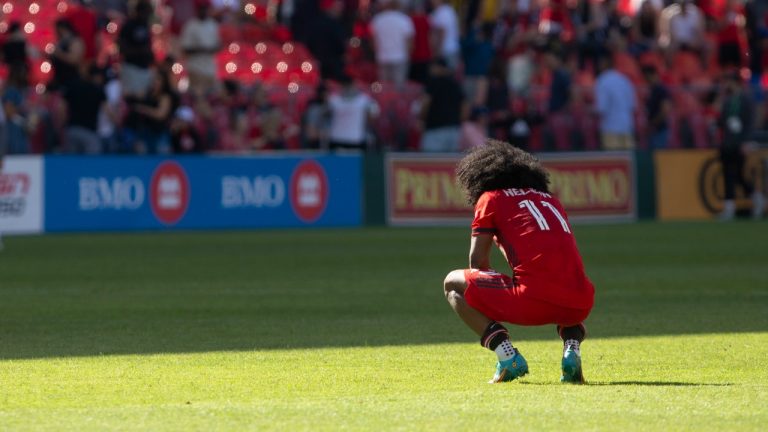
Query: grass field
{"type": "Point", "coordinates": [348, 329]}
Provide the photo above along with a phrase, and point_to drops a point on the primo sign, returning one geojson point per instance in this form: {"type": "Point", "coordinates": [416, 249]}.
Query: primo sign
{"type": "Point", "coordinates": [592, 186]}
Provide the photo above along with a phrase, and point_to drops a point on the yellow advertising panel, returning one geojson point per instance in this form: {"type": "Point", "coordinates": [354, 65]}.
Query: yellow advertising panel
{"type": "Point", "coordinates": [689, 182]}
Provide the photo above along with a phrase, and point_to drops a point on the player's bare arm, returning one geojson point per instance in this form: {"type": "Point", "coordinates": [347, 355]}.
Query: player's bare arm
{"type": "Point", "coordinates": [480, 251]}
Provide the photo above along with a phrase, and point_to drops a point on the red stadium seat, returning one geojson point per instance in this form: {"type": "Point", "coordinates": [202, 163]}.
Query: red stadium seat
{"type": "Point", "coordinates": [253, 33]}
{"type": "Point", "coordinates": [699, 128]}
{"type": "Point", "coordinates": [655, 59]}
{"type": "Point", "coordinates": [628, 65]}
{"type": "Point", "coordinates": [686, 68]}
{"type": "Point", "coordinates": [229, 33]}
{"type": "Point", "coordinates": [561, 126]}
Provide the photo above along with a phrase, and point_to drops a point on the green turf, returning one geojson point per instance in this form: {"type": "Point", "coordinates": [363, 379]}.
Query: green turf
{"type": "Point", "coordinates": [347, 329]}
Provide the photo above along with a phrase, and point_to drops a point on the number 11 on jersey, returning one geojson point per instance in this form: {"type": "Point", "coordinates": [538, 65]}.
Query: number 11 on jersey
{"type": "Point", "coordinates": [533, 209]}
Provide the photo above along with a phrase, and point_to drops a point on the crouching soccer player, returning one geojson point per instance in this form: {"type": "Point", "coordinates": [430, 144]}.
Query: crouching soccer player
{"type": "Point", "coordinates": [513, 208]}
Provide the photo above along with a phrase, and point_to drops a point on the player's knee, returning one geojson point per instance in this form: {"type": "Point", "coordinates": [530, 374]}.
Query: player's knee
{"type": "Point", "coordinates": [454, 284]}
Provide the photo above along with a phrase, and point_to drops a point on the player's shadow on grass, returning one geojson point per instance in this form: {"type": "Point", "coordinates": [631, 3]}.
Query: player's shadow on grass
{"type": "Point", "coordinates": [642, 383]}
{"type": "Point", "coordinates": [656, 384]}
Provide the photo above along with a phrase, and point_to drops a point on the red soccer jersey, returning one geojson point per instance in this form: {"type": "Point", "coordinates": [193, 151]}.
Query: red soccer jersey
{"type": "Point", "coordinates": [532, 231]}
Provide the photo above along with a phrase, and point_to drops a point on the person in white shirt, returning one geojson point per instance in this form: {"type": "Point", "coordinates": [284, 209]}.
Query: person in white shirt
{"type": "Point", "coordinates": [351, 111]}
{"type": "Point", "coordinates": [392, 39]}
{"type": "Point", "coordinates": [200, 42]}
{"type": "Point", "coordinates": [682, 27]}
{"type": "Point", "coordinates": [110, 113]}
{"type": "Point", "coordinates": [445, 27]}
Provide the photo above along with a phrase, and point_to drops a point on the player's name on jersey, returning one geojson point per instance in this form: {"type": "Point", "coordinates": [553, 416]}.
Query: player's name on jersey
{"type": "Point", "coordinates": [520, 192]}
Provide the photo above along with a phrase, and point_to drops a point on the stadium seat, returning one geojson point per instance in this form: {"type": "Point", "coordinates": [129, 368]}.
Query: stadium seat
{"type": "Point", "coordinates": [229, 33]}
{"type": "Point", "coordinates": [561, 127]}
{"type": "Point", "coordinates": [655, 59]}
{"type": "Point", "coordinates": [686, 68]}
{"type": "Point", "coordinates": [700, 130]}
{"type": "Point", "coordinates": [253, 33]}
{"type": "Point", "coordinates": [629, 66]}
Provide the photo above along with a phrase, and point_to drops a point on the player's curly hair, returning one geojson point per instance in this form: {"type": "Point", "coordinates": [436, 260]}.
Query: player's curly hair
{"type": "Point", "coordinates": [499, 165]}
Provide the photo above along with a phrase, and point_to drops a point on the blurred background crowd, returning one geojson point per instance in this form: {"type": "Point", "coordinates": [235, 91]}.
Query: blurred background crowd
{"type": "Point", "coordinates": [185, 76]}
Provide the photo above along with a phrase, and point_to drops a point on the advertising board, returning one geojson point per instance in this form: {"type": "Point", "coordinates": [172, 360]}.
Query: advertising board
{"type": "Point", "coordinates": [21, 195]}
{"type": "Point", "coordinates": [690, 185]}
{"type": "Point", "coordinates": [134, 193]}
{"type": "Point", "coordinates": [592, 186]}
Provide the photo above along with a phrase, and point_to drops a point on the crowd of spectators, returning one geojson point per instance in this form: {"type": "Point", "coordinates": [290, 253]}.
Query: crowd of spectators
{"type": "Point", "coordinates": [167, 76]}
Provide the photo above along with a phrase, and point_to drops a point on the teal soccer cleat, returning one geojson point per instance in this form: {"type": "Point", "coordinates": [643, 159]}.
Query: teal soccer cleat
{"type": "Point", "coordinates": [571, 365]}
{"type": "Point", "coordinates": [509, 370]}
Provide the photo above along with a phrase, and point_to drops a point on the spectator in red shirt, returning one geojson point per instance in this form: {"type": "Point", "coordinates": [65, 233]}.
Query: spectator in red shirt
{"type": "Point", "coordinates": [183, 11]}
{"type": "Point", "coordinates": [555, 21]}
{"type": "Point", "coordinates": [514, 30]}
{"type": "Point", "coordinates": [268, 129]}
{"type": "Point", "coordinates": [712, 9]}
{"type": "Point", "coordinates": [86, 25]}
{"type": "Point", "coordinates": [421, 55]}
{"type": "Point", "coordinates": [730, 31]}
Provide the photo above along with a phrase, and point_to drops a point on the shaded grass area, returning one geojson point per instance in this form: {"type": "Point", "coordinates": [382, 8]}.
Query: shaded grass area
{"type": "Point", "coordinates": [83, 295]}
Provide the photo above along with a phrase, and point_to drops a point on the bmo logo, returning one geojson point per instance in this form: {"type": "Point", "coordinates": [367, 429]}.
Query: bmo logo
{"type": "Point", "coordinates": [169, 192]}
{"type": "Point", "coordinates": [309, 191]}
{"type": "Point", "coordinates": [118, 193]}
